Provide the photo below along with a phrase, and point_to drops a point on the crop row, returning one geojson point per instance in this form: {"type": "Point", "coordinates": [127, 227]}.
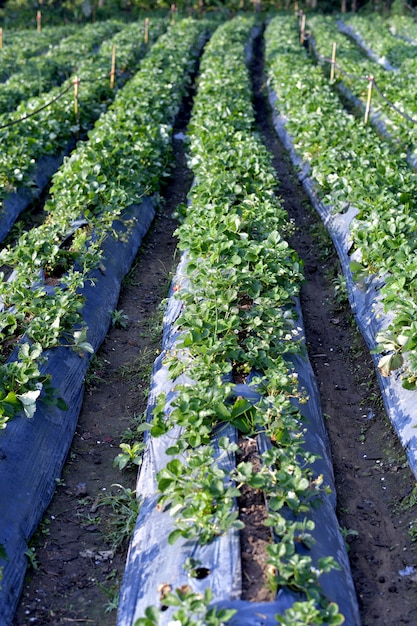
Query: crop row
{"type": "Point", "coordinates": [377, 37]}
{"type": "Point", "coordinates": [128, 153]}
{"type": "Point", "coordinates": [52, 131]}
{"type": "Point", "coordinates": [41, 73]}
{"type": "Point", "coordinates": [403, 27]}
{"type": "Point", "coordinates": [357, 169]}
{"type": "Point", "coordinates": [236, 326]}
{"type": "Point", "coordinates": [124, 159]}
{"type": "Point", "coordinates": [27, 44]}
{"type": "Point", "coordinates": [355, 71]}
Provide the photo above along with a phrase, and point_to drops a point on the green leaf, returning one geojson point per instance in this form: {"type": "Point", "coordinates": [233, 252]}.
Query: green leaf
{"type": "Point", "coordinates": [174, 536]}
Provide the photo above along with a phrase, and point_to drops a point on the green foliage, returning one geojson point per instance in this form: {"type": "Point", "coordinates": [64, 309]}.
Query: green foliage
{"type": "Point", "coordinates": [307, 613]}
{"type": "Point", "coordinates": [192, 610]}
{"type": "Point", "coordinates": [200, 496]}
{"type": "Point", "coordinates": [131, 455]}
{"type": "Point", "coordinates": [125, 506]}
{"type": "Point", "coordinates": [119, 319]}
{"type": "Point", "coordinates": [133, 140]}
{"type": "Point", "coordinates": [357, 168]}
{"type": "Point", "coordinates": [240, 266]}
{"type": "Point", "coordinates": [41, 73]}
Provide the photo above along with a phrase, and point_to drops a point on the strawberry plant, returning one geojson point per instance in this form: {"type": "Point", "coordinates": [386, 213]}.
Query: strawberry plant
{"type": "Point", "coordinates": [378, 37]}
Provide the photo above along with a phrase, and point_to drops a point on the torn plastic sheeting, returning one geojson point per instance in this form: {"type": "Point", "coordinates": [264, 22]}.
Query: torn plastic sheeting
{"type": "Point", "coordinates": [366, 304]}
{"type": "Point", "coordinates": [151, 562]}
{"type": "Point", "coordinates": [359, 40]}
{"type": "Point", "coordinates": [33, 451]}
{"type": "Point", "coordinates": [18, 201]}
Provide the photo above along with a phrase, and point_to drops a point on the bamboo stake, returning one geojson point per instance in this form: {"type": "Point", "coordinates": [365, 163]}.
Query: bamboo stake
{"type": "Point", "coordinates": [146, 30]}
{"type": "Point", "coordinates": [113, 67]}
{"type": "Point", "coordinates": [369, 98]}
{"type": "Point", "coordinates": [1, 39]}
{"type": "Point", "coordinates": [333, 63]}
{"type": "Point", "coordinates": [39, 21]}
{"type": "Point", "coordinates": [76, 92]}
{"type": "Point", "coordinates": [303, 28]}
{"type": "Point", "coordinates": [172, 12]}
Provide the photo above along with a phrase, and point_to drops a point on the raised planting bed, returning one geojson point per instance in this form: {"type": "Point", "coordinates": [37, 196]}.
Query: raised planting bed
{"type": "Point", "coordinates": [233, 368]}
{"type": "Point", "coordinates": [71, 308]}
{"type": "Point", "coordinates": [364, 192]}
{"type": "Point", "coordinates": [37, 145]}
{"type": "Point", "coordinates": [42, 73]}
{"type": "Point", "coordinates": [393, 112]}
{"type": "Point", "coordinates": [24, 44]}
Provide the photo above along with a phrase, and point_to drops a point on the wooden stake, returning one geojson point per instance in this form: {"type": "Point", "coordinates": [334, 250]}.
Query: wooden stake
{"type": "Point", "coordinates": [303, 28]}
{"type": "Point", "coordinates": [333, 63]}
{"type": "Point", "coordinates": [173, 12]}
{"type": "Point", "coordinates": [369, 98]}
{"type": "Point", "coordinates": [296, 8]}
{"type": "Point", "coordinates": [146, 30]}
{"type": "Point", "coordinates": [76, 92]}
{"type": "Point", "coordinates": [113, 67]}
{"type": "Point", "coordinates": [39, 21]}
{"type": "Point", "coordinates": [1, 39]}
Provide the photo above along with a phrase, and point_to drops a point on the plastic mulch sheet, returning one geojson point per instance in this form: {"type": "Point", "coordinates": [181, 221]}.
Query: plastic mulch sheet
{"type": "Point", "coordinates": [33, 451]}
{"type": "Point", "coordinates": [18, 201]}
{"type": "Point", "coordinates": [152, 563]}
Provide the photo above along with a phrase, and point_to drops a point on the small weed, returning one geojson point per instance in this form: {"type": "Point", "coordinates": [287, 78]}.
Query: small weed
{"type": "Point", "coordinates": [91, 520]}
{"type": "Point", "coordinates": [95, 371]}
{"type": "Point", "coordinates": [140, 365]}
{"type": "Point", "coordinates": [412, 531]}
{"type": "Point", "coordinates": [130, 456]}
{"type": "Point", "coordinates": [31, 555]}
{"type": "Point", "coordinates": [125, 509]}
{"type": "Point", "coordinates": [410, 500]}
{"type": "Point", "coordinates": [112, 592]}
{"type": "Point", "coordinates": [340, 291]}
{"type": "Point", "coordinates": [131, 280]}
{"type": "Point", "coordinates": [322, 240]}
{"type": "Point", "coordinates": [119, 319]}
{"type": "Point", "coordinates": [152, 327]}
{"type": "Point", "coordinates": [348, 533]}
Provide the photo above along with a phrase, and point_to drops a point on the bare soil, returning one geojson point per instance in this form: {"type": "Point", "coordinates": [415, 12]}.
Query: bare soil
{"type": "Point", "coordinates": [78, 570]}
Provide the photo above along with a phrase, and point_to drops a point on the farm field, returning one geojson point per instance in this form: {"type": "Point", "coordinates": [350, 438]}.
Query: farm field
{"type": "Point", "coordinates": [189, 143]}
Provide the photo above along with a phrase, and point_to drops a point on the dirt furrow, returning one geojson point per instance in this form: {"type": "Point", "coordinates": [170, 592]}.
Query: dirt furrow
{"type": "Point", "coordinates": [373, 480]}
